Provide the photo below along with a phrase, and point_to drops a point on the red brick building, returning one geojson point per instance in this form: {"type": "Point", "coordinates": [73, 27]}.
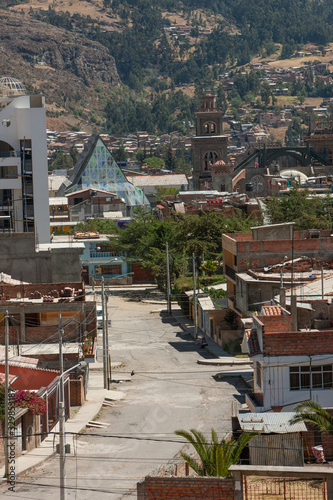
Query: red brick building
{"type": "Point", "coordinates": [266, 246]}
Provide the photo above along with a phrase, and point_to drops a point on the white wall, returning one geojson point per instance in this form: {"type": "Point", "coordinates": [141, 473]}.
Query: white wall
{"type": "Point", "coordinates": [30, 123]}
{"type": "Point", "coordinates": [276, 381]}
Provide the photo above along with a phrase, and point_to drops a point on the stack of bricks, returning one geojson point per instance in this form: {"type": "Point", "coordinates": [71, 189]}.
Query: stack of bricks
{"type": "Point", "coordinates": [27, 290]}
{"type": "Point", "coordinates": [48, 298]}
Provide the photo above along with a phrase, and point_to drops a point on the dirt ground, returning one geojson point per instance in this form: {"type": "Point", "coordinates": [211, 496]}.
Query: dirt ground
{"type": "Point", "coordinates": [94, 9]}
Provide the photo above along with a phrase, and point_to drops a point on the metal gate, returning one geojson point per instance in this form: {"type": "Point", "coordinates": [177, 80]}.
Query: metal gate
{"type": "Point", "coordinates": [267, 488]}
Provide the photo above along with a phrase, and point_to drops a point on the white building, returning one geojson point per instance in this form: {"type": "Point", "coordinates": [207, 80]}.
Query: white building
{"type": "Point", "coordinates": [24, 204]}
{"type": "Point", "coordinates": [289, 366]}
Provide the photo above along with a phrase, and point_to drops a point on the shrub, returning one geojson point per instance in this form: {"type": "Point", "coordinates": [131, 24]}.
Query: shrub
{"type": "Point", "coordinates": [27, 399]}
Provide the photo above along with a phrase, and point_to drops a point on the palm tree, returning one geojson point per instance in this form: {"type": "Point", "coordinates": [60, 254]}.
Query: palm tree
{"type": "Point", "coordinates": [217, 456]}
{"type": "Point", "coordinates": [209, 267]}
{"type": "Point", "coordinates": [314, 413]}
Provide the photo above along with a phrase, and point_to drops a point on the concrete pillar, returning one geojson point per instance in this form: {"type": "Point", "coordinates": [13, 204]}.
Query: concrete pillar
{"type": "Point", "coordinates": [22, 324]}
{"type": "Point", "coordinates": [293, 311]}
{"type": "Point", "coordinates": [238, 479]}
{"type": "Point", "coordinates": [329, 482]}
{"type": "Point", "coordinates": [83, 326]}
{"type": "Point", "coordinates": [283, 297]}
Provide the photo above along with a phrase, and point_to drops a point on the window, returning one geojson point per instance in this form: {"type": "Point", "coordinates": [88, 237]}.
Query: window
{"type": "Point", "coordinates": [259, 375]}
{"type": "Point", "coordinates": [209, 128]}
{"type": "Point", "coordinates": [109, 269]}
{"type": "Point", "coordinates": [8, 172]}
{"type": "Point", "coordinates": [321, 377]}
{"type": "Point", "coordinates": [209, 159]}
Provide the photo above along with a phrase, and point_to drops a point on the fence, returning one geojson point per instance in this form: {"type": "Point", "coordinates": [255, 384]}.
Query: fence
{"type": "Point", "coordinates": [263, 482]}
{"type": "Point", "coordinates": [259, 488]}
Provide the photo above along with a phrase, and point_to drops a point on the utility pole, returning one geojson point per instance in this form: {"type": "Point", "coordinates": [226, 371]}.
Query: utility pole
{"type": "Point", "coordinates": [310, 357]}
{"type": "Point", "coordinates": [168, 279]}
{"type": "Point", "coordinates": [322, 283]}
{"type": "Point", "coordinates": [6, 394]}
{"type": "Point", "coordinates": [105, 368]}
{"type": "Point", "coordinates": [108, 361]}
{"type": "Point", "coordinates": [61, 415]}
{"type": "Point", "coordinates": [293, 297]}
{"type": "Point", "coordinates": [194, 299]}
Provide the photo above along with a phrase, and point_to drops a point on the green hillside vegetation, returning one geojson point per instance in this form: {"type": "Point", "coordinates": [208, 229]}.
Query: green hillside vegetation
{"type": "Point", "coordinates": [151, 63]}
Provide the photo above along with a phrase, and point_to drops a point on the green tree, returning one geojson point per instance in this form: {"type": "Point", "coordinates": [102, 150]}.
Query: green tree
{"type": "Point", "coordinates": [169, 157]}
{"type": "Point", "coordinates": [120, 154]}
{"type": "Point", "coordinates": [217, 455]}
{"type": "Point", "coordinates": [155, 162]}
{"type": "Point", "coordinates": [296, 206]}
{"type": "Point", "coordinates": [61, 160]}
{"type": "Point", "coordinates": [165, 192]}
{"type": "Point", "coordinates": [313, 413]}
{"type": "Point", "coordinates": [265, 93]}
{"type": "Point", "coordinates": [209, 267]}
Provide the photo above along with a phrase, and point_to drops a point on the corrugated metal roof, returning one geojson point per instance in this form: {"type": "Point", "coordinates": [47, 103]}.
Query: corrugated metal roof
{"type": "Point", "coordinates": [270, 423]}
{"type": "Point", "coordinates": [206, 303]}
{"type": "Point", "coordinates": [179, 207]}
{"type": "Point", "coordinates": [158, 180]}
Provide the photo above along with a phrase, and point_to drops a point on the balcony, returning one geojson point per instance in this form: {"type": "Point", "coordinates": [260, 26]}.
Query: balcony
{"type": "Point", "coordinates": [103, 255]}
{"type": "Point", "coordinates": [254, 403]}
{"type": "Point", "coordinates": [10, 154]}
{"type": "Point", "coordinates": [230, 272]}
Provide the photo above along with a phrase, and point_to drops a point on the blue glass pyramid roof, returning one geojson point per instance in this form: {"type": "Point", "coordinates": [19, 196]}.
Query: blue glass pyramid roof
{"type": "Point", "coordinates": [96, 169]}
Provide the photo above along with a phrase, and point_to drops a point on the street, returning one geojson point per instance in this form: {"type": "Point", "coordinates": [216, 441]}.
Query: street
{"type": "Point", "coordinates": [168, 391]}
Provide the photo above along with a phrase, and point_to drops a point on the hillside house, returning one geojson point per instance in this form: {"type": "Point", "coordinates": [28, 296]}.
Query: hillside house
{"type": "Point", "coordinates": [266, 246]}
{"type": "Point", "coordinates": [289, 366]}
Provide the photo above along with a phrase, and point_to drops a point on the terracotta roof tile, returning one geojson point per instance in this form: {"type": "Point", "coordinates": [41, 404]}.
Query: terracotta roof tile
{"type": "Point", "coordinates": [271, 311]}
{"type": "Point", "coordinates": [11, 378]}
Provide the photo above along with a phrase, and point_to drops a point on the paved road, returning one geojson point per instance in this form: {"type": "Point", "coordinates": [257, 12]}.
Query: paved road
{"type": "Point", "coordinates": [168, 391]}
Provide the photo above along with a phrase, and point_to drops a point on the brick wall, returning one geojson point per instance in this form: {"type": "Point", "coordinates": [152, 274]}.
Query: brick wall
{"type": "Point", "coordinates": [186, 488]}
{"type": "Point", "coordinates": [77, 392]}
{"type": "Point", "coordinates": [298, 343]}
{"type": "Point", "coordinates": [38, 334]}
{"type": "Point", "coordinates": [325, 439]}
{"type": "Point", "coordinates": [25, 290]}
{"type": "Point", "coordinates": [275, 324]}
{"type": "Point", "coordinates": [271, 252]}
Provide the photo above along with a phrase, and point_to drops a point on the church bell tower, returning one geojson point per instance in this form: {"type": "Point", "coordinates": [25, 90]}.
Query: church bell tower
{"type": "Point", "coordinates": [209, 144]}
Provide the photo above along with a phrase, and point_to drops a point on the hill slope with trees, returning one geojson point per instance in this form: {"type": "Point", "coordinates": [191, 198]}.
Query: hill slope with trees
{"type": "Point", "coordinates": [152, 63]}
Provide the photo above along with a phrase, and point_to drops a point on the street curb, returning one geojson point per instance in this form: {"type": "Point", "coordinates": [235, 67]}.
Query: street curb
{"type": "Point", "coordinates": [3, 481]}
{"type": "Point", "coordinates": [222, 363]}
{"type": "Point", "coordinates": [43, 460]}
{"type": "Point", "coordinates": [210, 352]}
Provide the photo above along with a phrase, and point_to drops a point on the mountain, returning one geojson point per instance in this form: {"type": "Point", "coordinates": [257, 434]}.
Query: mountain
{"type": "Point", "coordinates": [122, 66]}
{"type": "Point", "coordinates": [64, 66]}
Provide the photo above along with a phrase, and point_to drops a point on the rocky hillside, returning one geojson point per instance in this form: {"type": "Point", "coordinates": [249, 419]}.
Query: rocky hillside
{"type": "Point", "coordinates": [66, 67]}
